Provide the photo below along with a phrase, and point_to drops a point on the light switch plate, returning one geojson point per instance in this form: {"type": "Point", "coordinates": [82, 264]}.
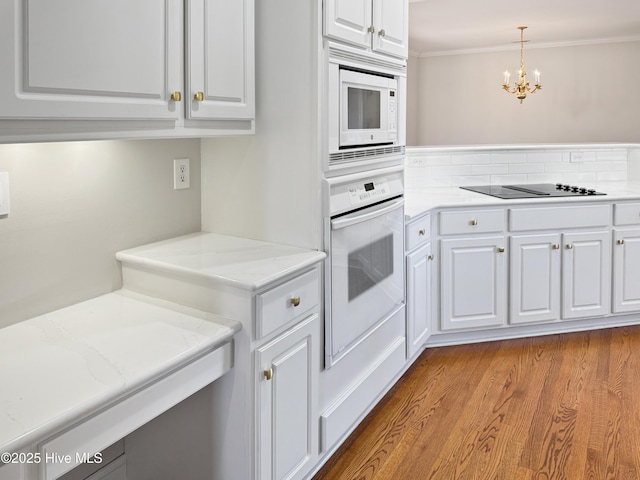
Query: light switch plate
{"type": "Point", "coordinates": [4, 193]}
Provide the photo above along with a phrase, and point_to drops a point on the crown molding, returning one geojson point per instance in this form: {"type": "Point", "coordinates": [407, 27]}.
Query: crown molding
{"type": "Point", "coordinates": [529, 46]}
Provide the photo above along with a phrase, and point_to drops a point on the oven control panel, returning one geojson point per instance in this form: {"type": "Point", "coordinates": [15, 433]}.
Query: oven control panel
{"type": "Point", "coordinates": [365, 193]}
{"type": "Point", "coordinates": [356, 191]}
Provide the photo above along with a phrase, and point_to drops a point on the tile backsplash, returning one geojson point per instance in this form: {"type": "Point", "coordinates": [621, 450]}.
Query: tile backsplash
{"type": "Point", "coordinates": [451, 166]}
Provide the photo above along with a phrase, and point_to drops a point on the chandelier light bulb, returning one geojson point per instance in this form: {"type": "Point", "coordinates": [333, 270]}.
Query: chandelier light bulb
{"type": "Point", "coordinates": [521, 87]}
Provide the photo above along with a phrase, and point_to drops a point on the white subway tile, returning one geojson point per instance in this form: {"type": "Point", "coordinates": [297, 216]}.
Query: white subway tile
{"type": "Point", "coordinates": [526, 168]}
{"type": "Point", "coordinates": [436, 182]}
{"type": "Point", "coordinates": [441, 171]}
{"type": "Point", "coordinates": [471, 159]}
{"type": "Point", "coordinates": [561, 167]}
{"type": "Point", "coordinates": [578, 177]}
{"type": "Point", "coordinates": [508, 179]}
{"type": "Point", "coordinates": [544, 157]}
{"type": "Point", "coordinates": [612, 156]}
{"type": "Point", "coordinates": [542, 178]}
{"type": "Point", "coordinates": [492, 169]}
{"type": "Point", "coordinates": [611, 176]}
{"type": "Point", "coordinates": [509, 157]}
{"type": "Point", "coordinates": [434, 160]}
{"type": "Point", "coordinates": [471, 180]}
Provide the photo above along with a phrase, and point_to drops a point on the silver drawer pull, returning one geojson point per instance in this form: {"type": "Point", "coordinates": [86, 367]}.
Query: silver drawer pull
{"type": "Point", "coordinates": [422, 232]}
{"type": "Point", "coordinates": [430, 257]}
{"type": "Point", "coordinates": [295, 301]}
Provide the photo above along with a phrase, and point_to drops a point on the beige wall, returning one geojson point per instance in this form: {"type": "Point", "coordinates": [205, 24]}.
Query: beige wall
{"type": "Point", "coordinates": [73, 205]}
{"type": "Point", "coordinates": [589, 95]}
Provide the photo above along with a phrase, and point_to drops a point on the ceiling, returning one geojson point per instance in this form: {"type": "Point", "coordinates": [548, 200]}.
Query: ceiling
{"type": "Point", "coordinates": [454, 26]}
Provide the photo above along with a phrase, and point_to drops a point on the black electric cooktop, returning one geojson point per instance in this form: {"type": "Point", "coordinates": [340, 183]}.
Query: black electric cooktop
{"type": "Point", "coordinates": [533, 190]}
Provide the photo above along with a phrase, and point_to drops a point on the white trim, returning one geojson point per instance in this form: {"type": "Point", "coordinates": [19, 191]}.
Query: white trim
{"type": "Point", "coordinates": [516, 46]}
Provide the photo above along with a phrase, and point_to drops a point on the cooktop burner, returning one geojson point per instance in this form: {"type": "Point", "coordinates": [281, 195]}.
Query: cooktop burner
{"type": "Point", "coordinates": [533, 190]}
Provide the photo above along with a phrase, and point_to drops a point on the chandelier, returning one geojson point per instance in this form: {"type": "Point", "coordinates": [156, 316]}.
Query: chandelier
{"type": "Point", "coordinates": [521, 87]}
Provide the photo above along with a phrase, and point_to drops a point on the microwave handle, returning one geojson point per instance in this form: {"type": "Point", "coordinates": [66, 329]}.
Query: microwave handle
{"type": "Point", "coordinates": [364, 215]}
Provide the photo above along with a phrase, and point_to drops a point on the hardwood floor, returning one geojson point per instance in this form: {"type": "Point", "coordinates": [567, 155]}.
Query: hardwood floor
{"type": "Point", "coordinates": [546, 408]}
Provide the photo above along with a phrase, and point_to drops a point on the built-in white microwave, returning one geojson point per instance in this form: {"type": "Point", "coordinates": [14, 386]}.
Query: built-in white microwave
{"type": "Point", "coordinates": [368, 113]}
{"type": "Point", "coordinates": [365, 112]}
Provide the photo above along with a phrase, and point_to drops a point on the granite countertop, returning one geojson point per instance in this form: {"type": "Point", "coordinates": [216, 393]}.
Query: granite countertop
{"type": "Point", "coordinates": [420, 201]}
{"type": "Point", "coordinates": [240, 262]}
{"type": "Point", "coordinates": [65, 365]}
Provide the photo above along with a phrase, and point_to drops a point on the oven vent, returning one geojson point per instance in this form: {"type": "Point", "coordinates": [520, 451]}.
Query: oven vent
{"type": "Point", "coordinates": [371, 153]}
{"type": "Point", "coordinates": [364, 62]}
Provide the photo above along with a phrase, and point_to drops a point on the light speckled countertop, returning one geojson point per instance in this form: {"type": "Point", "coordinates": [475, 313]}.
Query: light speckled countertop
{"type": "Point", "coordinates": [65, 365]}
{"type": "Point", "coordinates": [420, 201]}
{"type": "Point", "coordinates": [240, 262]}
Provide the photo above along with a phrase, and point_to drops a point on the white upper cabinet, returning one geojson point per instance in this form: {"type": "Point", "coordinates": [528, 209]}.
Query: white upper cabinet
{"type": "Point", "coordinates": [118, 69]}
{"type": "Point", "coordinates": [73, 59]}
{"type": "Point", "coordinates": [220, 59]}
{"type": "Point", "coordinates": [378, 25]}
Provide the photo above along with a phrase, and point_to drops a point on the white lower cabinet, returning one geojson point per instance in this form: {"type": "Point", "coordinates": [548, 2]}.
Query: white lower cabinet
{"type": "Point", "coordinates": [534, 268]}
{"type": "Point", "coordinates": [473, 282]}
{"type": "Point", "coordinates": [626, 271]}
{"type": "Point", "coordinates": [11, 471]}
{"type": "Point", "coordinates": [586, 274]}
{"type": "Point", "coordinates": [418, 298]}
{"type": "Point", "coordinates": [287, 422]}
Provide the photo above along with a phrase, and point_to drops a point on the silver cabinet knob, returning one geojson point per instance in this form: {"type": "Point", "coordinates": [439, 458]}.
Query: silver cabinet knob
{"type": "Point", "coordinates": [430, 257]}
{"type": "Point", "coordinates": [382, 33]}
{"type": "Point", "coordinates": [556, 246]}
{"type": "Point", "coordinates": [371, 29]}
{"type": "Point", "coordinates": [620, 242]}
{"type": "Point", "coordinates": [422, 232]}
{"type": "Point", "coordinates": [569, 246]}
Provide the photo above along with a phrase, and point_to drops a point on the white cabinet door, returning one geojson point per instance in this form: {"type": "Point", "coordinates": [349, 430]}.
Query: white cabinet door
{"type": "Point", "coordinates": [473, 282]}
{"type": "Point", "coordinates": [220, 59]}
{"type": "Point", "coordinates": [11, 471]}
{"type": "Point", "coordinates": [287, 435]}
{"type": "Point", "coordinates": [626, 271]}
{"type": "Point", "coordinates": [104, 59]}
{"type": "Point", "coordinates": [586, 274]}
{"type": "Point", "coordinates": [391, 27]}
{"type": "Point", "coordinates": [349, 21]}
{"type": "Point", "coordinates": [534, 278]}
{"type": "Point", "coordinates": [418, 299]}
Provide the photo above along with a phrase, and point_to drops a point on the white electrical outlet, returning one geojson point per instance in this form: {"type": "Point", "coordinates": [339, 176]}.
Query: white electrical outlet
{"type": "Point", "coordinates": [181, 173]}
{"type": "Point", "coordinates": [4, 193]}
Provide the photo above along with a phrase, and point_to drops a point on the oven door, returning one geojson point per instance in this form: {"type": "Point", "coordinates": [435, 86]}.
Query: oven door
{"type": "Point", "coordinates": [367, 273]}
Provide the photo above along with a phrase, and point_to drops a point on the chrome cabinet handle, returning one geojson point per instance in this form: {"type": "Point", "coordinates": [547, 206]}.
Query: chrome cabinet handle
{"type": "Point", "coordinates": [430, 257]}
{"type": "Point", "coordinates": [621, 241]}
{"type": "Point", "coordinates": [176, 96]}
{"type": "Point", "coordinates": [295, 301]}
{"type": "Point", "coordinates": [268, 374]}
{"type": "Point", "coordinates": [382, 33]}
{"type": "Point", "coordinates": [371, 29]}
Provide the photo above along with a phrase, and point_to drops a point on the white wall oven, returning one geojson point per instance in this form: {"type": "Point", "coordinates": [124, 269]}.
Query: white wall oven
{"type": "Point", "coordinates": [365, 265]}
{"type": "Point", "coordinates": [365, 111]}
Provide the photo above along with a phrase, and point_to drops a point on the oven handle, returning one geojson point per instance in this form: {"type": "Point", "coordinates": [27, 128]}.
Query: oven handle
{"type": "Point", "coordinates": [364, 215]}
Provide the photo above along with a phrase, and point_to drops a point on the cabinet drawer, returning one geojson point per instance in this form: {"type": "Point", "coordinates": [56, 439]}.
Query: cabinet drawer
{"type": "Point", "coordinates": [523, 219]}
{"type": "Point", "coordinates": [417, 232]}
{"type": "Point", "coordinates": [626, 214]}
{"type": "Point", "coordinates": [281, 305]}
{"type": "Point", "coordinates": [471, 221]}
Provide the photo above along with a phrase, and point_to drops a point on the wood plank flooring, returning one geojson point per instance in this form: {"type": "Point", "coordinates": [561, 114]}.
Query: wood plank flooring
{"type": "Point", "coordinates": [547, 408]}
